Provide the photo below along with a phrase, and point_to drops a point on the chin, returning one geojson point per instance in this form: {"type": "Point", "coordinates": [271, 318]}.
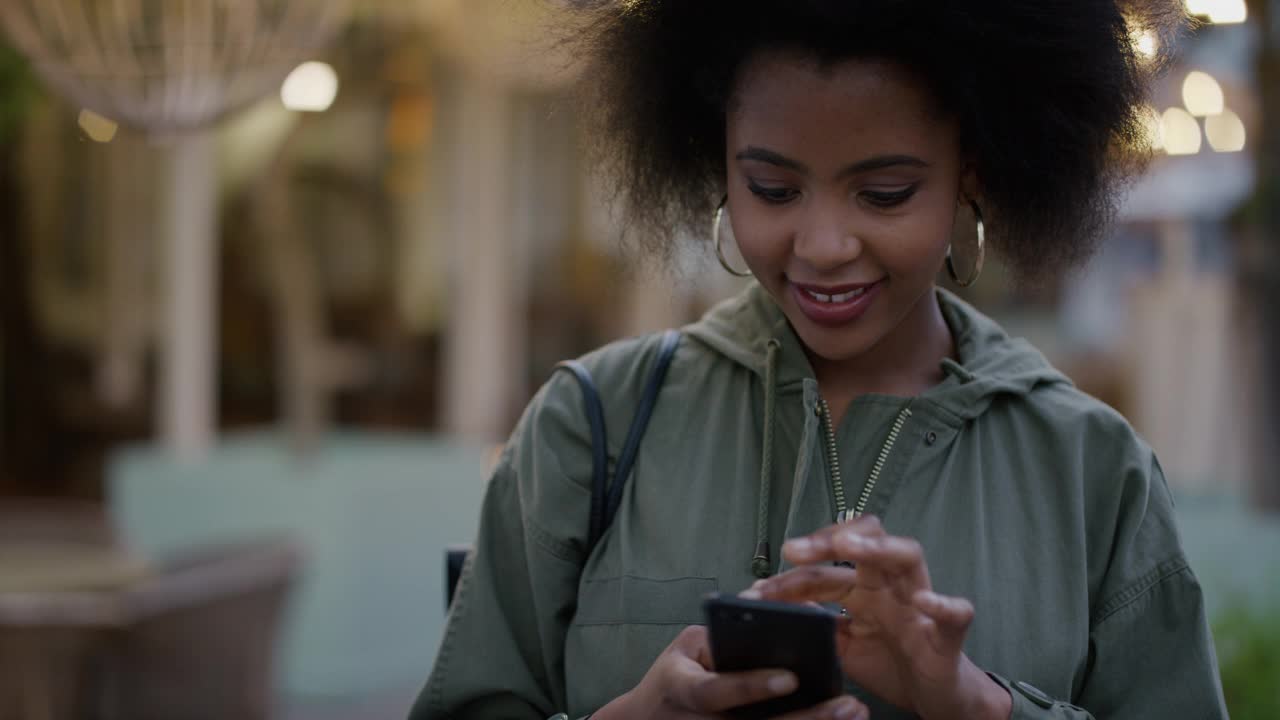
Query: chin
{"type": "Point", "coordinates": [834, 344]}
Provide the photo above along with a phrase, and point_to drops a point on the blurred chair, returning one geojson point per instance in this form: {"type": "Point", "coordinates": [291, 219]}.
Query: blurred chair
{"type": "Point", "coordinates": [62, 567]}
{"type": "Point", "coordinates": [200, 636]}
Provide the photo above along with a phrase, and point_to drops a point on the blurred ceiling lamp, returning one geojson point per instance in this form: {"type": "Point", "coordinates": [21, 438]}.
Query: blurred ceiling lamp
{"type": "Point", "coordinates": [1201, 94]}
{"type": "Point", "coordinates": [172, 68]}
{"type": "Point", "coordinates": [1221, 12]}
{"type": "Point", "coordinates": [1180, 131]}
{"type": "Point", "coordinates": [98, 128]}
{"type": "Point", "coordinates": [1225, 132]}
{"type": "Point", "coordinates": [311, 87]}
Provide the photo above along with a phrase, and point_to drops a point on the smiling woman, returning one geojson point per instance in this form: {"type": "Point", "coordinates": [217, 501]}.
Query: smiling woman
{"type": "Point", "coordinates": [1003, 544]}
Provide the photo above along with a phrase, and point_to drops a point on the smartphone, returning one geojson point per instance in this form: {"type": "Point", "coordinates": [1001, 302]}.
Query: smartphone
{"type": "Point", "coordinates": [757, 635]}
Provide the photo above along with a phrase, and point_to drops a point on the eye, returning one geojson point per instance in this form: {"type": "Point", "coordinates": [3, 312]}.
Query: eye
{"type": "Point", "coordinates": [888, 198]}
{"type": "Point", "coordinates": [775, 195]}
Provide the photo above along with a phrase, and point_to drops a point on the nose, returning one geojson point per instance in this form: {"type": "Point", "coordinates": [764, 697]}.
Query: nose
{"type": "Point", "coordinates": [828, 239]}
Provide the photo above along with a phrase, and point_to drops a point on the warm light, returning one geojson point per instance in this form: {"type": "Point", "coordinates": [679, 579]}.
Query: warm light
{"type": "Point", "coordinates": [1145, 43]}
{"type": "Point", "coordinates": [311, 87]}
{"type": "Point", "coordinates": [1225, 132]}
{"type": "Point", "coordinates": [98, 128]}
{"type": "Point", "coordinates": [1229, 11]}
{"type": "Point", "coordinates": [1202, 94]}
{"type": "Point", "coordinates": [1154, 129]}
{"type": "Point", "coordinates": [1219, 11]}
{"type": "Point", "coordinates": [1180, 131]}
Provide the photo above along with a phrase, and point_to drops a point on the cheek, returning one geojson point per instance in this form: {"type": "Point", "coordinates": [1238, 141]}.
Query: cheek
{"type": "Point", "coordinates": [763, 240]}
{"type": "Point", "coordinates": [918, 242]}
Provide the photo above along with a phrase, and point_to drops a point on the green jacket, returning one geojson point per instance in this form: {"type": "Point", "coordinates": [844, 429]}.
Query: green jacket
{"type": "Point", "coordinates": [1031, 499]}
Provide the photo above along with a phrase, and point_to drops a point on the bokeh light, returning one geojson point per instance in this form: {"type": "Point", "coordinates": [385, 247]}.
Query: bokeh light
{"type": "Point", "coordinates": [97, 127]}
{"type": "Point", "coordinates": [1221, 12]}
{"type": "Point", "coordinates": [1201, 94]}
{"type": "Point", "coordinates": [311, 87]}
{"type": "Point", "coordinates": [1225, 132]}
{"type": "Point", "coordinates": [1180, 131]}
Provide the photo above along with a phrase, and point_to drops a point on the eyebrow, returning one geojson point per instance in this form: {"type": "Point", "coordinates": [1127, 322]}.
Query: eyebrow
{"type": "Point", "coordinates": [879, 162]}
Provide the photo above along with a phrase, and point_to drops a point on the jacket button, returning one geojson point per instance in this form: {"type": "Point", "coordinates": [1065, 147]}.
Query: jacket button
{"type": "Point", "coordinates": [930, 438]}
{"type": "Point", "coordinates": [1035, 694]}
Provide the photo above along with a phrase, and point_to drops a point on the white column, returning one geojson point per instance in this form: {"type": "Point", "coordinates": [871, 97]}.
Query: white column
{"type": "Point", "coordinates": [128, 236]}
{"type": "Point", "coordinates": [484, 310]}
{"type": "Point", "coordinates": [187, 395]}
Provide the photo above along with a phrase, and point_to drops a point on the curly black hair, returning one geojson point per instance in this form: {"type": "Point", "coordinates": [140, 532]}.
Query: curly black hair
{"type": "Point", "coordinates": [1048, 96]}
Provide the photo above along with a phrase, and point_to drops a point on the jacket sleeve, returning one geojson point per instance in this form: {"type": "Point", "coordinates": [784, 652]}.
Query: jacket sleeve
{"type": "Point", "coordinates": [502, 654]}
{"type": "Point", "coordinates": [1151, 655]}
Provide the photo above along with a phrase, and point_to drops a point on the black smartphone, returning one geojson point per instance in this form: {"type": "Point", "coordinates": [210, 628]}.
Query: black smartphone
{"type": "Point", "coordinates": [757, 635]}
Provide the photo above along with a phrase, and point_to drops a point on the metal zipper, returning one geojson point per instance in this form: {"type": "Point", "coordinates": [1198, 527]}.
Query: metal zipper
{"type": "Point", "coordinates": [885, 449]}
{"type": "Point", "coordinates": [833, 461]}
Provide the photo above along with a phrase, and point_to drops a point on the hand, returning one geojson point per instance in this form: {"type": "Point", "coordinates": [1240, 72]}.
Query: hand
{"type": "Point", "coordinates": [682, 685]}
{"type": "Point", "coordinates": [901, 640]}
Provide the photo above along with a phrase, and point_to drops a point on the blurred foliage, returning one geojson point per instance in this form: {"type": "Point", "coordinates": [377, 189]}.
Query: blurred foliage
{"type": "Point", "coordinates": [17, 88]}
{"type": "Point", "coordinates": [1248, 643]}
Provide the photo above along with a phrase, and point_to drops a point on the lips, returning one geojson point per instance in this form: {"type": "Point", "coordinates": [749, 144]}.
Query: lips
{"type": "Point", "coordinates": [835, 305]}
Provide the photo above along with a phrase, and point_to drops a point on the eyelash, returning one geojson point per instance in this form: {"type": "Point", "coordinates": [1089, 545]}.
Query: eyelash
{"type": "Point", "coordinates": [780, 196]}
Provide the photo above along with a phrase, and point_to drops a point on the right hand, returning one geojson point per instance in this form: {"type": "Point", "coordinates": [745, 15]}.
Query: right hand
{"type": "Point", "coordinates": [681, 684]}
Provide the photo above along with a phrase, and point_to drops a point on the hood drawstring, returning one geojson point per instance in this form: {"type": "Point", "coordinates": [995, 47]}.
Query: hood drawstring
{"type": "Point", "coordinates": [761, 562]}
{"type": "Point", "coordinates": [961, 373]}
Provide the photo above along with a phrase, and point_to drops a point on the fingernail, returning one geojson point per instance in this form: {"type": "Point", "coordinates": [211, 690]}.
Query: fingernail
{"type": "Point", "coordinates": [847, 710]}
{"type": "Point", "coordinates": [782, 683]}
{"type": "Point", "coordinates": [799, 544]}
{"type": "Point", "coordinates": [750, 594]}
{"type": "Point", "coordinates": [757, 585]}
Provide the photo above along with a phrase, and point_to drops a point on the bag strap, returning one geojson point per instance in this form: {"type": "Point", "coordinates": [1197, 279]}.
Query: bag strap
{"type": "Point", "coordinates": [605, 499]}
{"type": "Point", "coordinates": [670, 339]}
{"type": "Point", "coordinates": [599, 446]}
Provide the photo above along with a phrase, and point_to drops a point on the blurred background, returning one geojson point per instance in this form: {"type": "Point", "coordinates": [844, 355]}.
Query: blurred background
{"type": "Point", "coordinates": [278, 276]}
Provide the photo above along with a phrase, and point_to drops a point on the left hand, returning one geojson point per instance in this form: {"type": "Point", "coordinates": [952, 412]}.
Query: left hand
{"type": "Point", "coordinates": [901, 641]}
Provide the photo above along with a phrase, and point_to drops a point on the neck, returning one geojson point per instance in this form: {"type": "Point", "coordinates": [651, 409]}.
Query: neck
{"type": "Point", "coordinates": [906, 362]}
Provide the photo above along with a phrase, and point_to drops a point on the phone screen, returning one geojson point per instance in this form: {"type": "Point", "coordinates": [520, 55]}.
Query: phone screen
{"type": "Point", "coordinates": [756, 635]}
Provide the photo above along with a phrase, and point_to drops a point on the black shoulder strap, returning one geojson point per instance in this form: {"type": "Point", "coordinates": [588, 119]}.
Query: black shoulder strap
{"type": "Point", "coordinates": [599, 446]}
{"type": "Point", "coordinates": [605, 499]}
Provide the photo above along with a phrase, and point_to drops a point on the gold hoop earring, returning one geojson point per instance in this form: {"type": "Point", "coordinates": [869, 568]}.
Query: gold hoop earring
{"type": "Point", "coordinates": [981, 252]}
{"type": "Point", "coordinates": [715, 236]}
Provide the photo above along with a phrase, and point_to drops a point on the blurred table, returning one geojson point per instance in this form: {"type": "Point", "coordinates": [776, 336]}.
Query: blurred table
{"type": "Point", "coordinates": [57, 599]}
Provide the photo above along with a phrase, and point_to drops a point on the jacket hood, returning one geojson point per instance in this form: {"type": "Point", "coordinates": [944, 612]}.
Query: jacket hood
{"type": "Point", "coordinates": [990, 362]}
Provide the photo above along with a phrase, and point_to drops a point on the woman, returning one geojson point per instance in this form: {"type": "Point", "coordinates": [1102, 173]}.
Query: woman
{"type": "Point", "coordinates": [1013, 539]}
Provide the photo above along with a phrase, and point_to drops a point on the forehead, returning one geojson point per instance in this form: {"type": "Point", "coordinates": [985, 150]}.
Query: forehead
{"type": "Point", "coordinates": [793, 104]}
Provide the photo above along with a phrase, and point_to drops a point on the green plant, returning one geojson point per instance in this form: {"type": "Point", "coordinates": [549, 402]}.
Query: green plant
{"type": "Point", "coordinates": [1248, 643]}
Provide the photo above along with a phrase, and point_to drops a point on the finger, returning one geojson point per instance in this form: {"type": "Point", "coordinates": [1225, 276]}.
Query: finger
{"type": "Point", "coordinates": [705, 692]}
{"type": "Point", "coordinates": [892, 555]}
{"type": "Point", "coordinates": [815, 583]}
{"type": "Point", "coordinates": [845, 707]}
{"type": "Point", "coordinates": [951, 617]}
{"type": "Point", "coordinates": [817, 546]}
{"type": "Point", "coordinates": [694, 643]}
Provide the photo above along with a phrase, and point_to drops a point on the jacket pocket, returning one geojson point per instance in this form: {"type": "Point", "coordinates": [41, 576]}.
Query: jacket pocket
{"type": "Point", "coordinates": [633, 600]}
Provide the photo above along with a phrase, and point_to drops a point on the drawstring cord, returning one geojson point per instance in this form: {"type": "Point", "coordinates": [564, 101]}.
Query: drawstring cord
{"type": "Point", "coordinates": [761, 562]}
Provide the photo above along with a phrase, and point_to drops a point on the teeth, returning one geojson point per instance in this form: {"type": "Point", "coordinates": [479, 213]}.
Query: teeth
{"type": "Point", "coordinates": [835, 299]}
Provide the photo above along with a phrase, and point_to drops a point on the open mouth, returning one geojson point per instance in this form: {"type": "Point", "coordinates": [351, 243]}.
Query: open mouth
{"type": "Point", "coordinates": [835, 305]}
{"type": "Point", "coordinates": [837, 298]}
